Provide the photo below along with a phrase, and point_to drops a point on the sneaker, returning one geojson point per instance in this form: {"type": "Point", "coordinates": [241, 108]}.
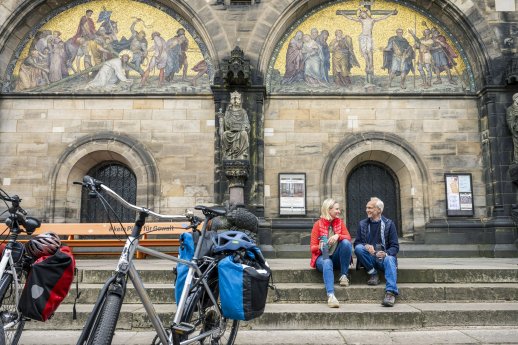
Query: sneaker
{"type": "Point", "coordinates": [373, 280]}
{"type": "Point", "coordinates": [332, 302]}
{"type": "Point", "coordinates": [344, 280]}
{"type": "Point", "coordinates": [389, 299]}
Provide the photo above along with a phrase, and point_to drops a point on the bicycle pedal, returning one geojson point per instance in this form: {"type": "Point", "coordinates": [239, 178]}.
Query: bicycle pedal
{"type": "Point", "coordinates": [183, 328]}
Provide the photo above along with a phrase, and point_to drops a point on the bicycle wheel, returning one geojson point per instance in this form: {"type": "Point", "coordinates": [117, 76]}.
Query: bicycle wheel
{"type": "Point", "coordinates": [11, 320]}
{"type": "Point", "coordinates": [202, 313]}
{"type": "Point", "coordinates": [107, 320]}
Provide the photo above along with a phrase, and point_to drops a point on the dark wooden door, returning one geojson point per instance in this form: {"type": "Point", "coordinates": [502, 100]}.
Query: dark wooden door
{"type": "Point", "coordinates": [368, 180]}
{"type": "Point", "coordinates": [121, 180]}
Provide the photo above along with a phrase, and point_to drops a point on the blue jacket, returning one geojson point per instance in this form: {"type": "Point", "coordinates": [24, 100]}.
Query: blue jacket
{"type": "Point", "coordinates": [391, 239]}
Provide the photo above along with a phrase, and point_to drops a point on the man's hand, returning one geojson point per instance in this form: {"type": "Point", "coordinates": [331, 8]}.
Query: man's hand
{"type": "Point", "coordinates": [370, 249]}
{"type": "Point", "coordinates": [381, 254]}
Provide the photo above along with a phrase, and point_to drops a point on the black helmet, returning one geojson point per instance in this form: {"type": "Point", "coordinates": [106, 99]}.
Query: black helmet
{"type": "Point", "coordinates": [44, 244]}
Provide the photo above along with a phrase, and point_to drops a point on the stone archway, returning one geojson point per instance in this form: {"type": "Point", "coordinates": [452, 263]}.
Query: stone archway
{"type": "Point", "coordinates": [74, 163]}
{"type": "Point", "coordinates": [393, 152]}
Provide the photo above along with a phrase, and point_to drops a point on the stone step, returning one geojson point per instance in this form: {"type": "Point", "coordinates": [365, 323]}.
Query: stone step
{"type": "Point", "coordinates": [413, 250]}
{"type": "Point", "coordinates": [410, 270]}
{"type": "Point", "coordinates": [436, 335]}
{"type": "Point", "coordinates": [296, 316]}
{"type": "Point", "coordinates": [314, 293]}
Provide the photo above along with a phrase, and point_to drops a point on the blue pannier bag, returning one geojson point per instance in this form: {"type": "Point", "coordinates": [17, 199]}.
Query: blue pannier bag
{"type": "Point", "coordinates": [186, 252]}
{"type": "Point", "coordinates": [243, 288]}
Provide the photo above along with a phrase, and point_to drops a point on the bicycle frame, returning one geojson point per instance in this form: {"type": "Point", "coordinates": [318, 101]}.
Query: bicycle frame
{"type": "Point", "coordinates": [125, 268]}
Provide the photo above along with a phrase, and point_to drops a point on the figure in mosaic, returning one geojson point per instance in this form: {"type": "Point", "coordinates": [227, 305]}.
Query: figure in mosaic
{"type": "Point", "coordinates": [443, 56]}
{"type": "Point", "coordinates": [314, 72]}
{"type": "Point", "coordinates": [424, 57]}
{"type": "Point", "coordinates": [234, 129]}
{"type": "Point", "coordinates": [294, 60]}
{"type": "Point", "coordinates": [176, 55]}
{"type": "Point", "coordinates": [322, 42]}
{"type": "Point", "coordinates": [34, 72]}
{"type": "Point", "coordinates": [158, 59]}
{"type": "Point", "coordinates": [397, 58]}
{"type": "Point", "coordinates": [364, 17]}
{"type": "Point", "coordinates": [512, 122]}
{"type": "Point", "coordinates": [344, 58]}
{"type": "Point", "coordinates": [112, 73]}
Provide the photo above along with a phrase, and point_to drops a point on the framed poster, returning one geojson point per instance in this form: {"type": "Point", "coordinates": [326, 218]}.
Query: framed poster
{"type": "Point", "coordinates": [459, 195]}
{"type": "Point", "coordinates": [292, 194]}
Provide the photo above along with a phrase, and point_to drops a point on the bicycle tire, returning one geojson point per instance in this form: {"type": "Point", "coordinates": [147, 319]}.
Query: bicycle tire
{"type": "Point", "coordinates": [200, 312]}
{"type": "Point", "coordinates": [108, 318]}
{"type": "Point", "coordinates": [9, 309]}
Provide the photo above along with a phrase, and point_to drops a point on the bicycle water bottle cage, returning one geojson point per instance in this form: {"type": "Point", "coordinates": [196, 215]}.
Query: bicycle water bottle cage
{"type": "Point", "coordinates": [232, 240]}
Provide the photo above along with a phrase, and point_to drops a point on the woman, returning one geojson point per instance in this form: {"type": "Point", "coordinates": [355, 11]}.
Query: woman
{"type": "Point", "coordinates": [340, 249]}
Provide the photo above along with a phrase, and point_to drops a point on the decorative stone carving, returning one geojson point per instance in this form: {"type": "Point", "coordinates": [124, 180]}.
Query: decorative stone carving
{"type": "Point", "coordinates": [234, 129]}
{"type": "Point", "coordinates": [512, 122]}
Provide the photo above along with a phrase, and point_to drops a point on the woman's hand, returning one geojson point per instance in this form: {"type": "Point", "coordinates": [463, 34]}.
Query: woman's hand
{"type": "Point", "coordinates": [333, 239]}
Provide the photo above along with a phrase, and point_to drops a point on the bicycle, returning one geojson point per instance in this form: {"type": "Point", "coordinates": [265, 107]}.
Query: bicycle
{"type": "Point", "coordinates": [198, 317]}
{"type": "Point", "coordinates": [15, 265]}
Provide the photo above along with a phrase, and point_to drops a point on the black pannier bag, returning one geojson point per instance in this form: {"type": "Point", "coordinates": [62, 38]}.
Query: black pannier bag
{"type": "Point", "coordinates": [47, 285]}
{"type": "Point", "coordinates": [243, 287]}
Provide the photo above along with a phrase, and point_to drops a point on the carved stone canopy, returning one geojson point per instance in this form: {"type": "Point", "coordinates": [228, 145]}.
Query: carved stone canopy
{"type": "Point", "coordinates": [236, 70]}
{"type": "Point", "coordinates": [511, 73]}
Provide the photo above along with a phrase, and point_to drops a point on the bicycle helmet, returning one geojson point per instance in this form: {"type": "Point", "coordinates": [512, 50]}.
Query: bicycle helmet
{"type": "Point", "coordinates": [44, 244]}
{"type": "Point", "coordinates": [232, 240]}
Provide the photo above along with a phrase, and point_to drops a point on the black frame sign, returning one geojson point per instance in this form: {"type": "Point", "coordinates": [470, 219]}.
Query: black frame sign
{"type": "Point", "coordinates": [292, 194]}
{"type": "Point", "coordinates": [459, 195]}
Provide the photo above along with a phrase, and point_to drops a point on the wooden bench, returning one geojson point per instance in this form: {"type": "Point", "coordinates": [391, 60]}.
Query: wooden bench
{"type": "Point", "coordinates": [163, 234]}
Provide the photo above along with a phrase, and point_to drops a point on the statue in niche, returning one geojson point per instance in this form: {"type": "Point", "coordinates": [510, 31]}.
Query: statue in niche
{"type": "Point", "coordinates": [512, 122]}
{"type": "Point", "coordinates": [234, 129]}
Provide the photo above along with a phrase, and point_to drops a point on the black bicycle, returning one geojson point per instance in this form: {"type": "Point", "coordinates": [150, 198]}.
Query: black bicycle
{"type": "Point", "coordinates": [14, 268]}
{"type": "Point", "coordinates": [198, 318]}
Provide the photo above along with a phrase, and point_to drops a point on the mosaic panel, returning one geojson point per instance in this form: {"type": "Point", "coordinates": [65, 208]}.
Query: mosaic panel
{"type": "Point", "coordinates": [111, 46]}
{"type": "Point", "coordinates": [369, 47]}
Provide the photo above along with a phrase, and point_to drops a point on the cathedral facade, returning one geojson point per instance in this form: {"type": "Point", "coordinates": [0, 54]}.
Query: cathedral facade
{"type": "Point", "coordinates": [403, 100]}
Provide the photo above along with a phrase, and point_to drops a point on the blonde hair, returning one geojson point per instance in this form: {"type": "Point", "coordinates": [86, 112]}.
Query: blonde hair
{"type": "Point", "coordinates": [326, 206]}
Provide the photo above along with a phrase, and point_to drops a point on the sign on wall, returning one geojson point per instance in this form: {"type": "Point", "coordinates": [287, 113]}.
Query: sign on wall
{"type": "Point", "coordinates": [459, 195]}
{"type": "Point", "coordinates": [292, 194]}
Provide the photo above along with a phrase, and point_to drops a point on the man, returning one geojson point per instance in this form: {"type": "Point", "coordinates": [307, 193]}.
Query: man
{"type": "Point", "coordinates": [376, 246]}
{"type": "Point", "coordinates": [112, 73]}
{"type": "Point", "coordinates": [397, 58]}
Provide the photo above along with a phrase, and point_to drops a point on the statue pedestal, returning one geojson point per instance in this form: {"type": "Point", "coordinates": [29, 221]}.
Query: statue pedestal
{"type": "Point", "coordinates": [513, 172]}
{"type": "Point", "coordinates": [237, 172]}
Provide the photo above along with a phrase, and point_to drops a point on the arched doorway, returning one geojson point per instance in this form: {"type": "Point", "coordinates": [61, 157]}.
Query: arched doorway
{"type": "Point", "coordinates": [121, 180]}
{"type": "Point", "coordinates": [370, 179]}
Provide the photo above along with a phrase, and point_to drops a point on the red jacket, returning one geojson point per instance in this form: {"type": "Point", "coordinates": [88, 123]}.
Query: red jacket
{"type": "Point", "coordinates": [320, 228]}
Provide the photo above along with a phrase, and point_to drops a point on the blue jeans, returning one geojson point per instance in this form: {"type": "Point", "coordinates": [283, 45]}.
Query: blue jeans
{"type": "Point", "coordinates": [388, 265]}
{"type": "Point", "coordinates": [340, 258]}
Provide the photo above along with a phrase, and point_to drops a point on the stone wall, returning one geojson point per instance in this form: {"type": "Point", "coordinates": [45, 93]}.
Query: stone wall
{"type": "Point", "coordinates": [177, 134]}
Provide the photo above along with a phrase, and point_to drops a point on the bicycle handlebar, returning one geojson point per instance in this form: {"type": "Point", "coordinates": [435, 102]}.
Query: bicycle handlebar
{"type": "Point", "coordinates": [96, 186]}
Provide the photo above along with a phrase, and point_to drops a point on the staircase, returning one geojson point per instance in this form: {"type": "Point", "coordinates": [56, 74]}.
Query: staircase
{"type": "Point", "coordinates": [445, 293]}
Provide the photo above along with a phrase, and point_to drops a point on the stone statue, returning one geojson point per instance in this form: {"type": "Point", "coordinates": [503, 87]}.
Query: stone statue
{"type": "Point", "coordinates": [512, 122]}
{"type": "Point", "coordinates": [234, 129]}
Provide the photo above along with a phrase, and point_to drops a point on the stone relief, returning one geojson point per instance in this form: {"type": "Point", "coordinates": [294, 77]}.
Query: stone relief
{"type": "Point", "coordinates": [512, 123]}
{"type": "Point", "coordinates": [108, 46]}
{"type": "Point", "coordinates": [363, 46]}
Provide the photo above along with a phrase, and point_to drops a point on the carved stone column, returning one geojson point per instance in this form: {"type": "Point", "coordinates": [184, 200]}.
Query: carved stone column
{"type": "Point", "coordinates": [237, 172]}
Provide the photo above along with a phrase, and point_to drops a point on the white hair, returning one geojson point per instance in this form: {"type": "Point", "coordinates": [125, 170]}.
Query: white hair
{"type": "Point", "coordinates": [379, 203]}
